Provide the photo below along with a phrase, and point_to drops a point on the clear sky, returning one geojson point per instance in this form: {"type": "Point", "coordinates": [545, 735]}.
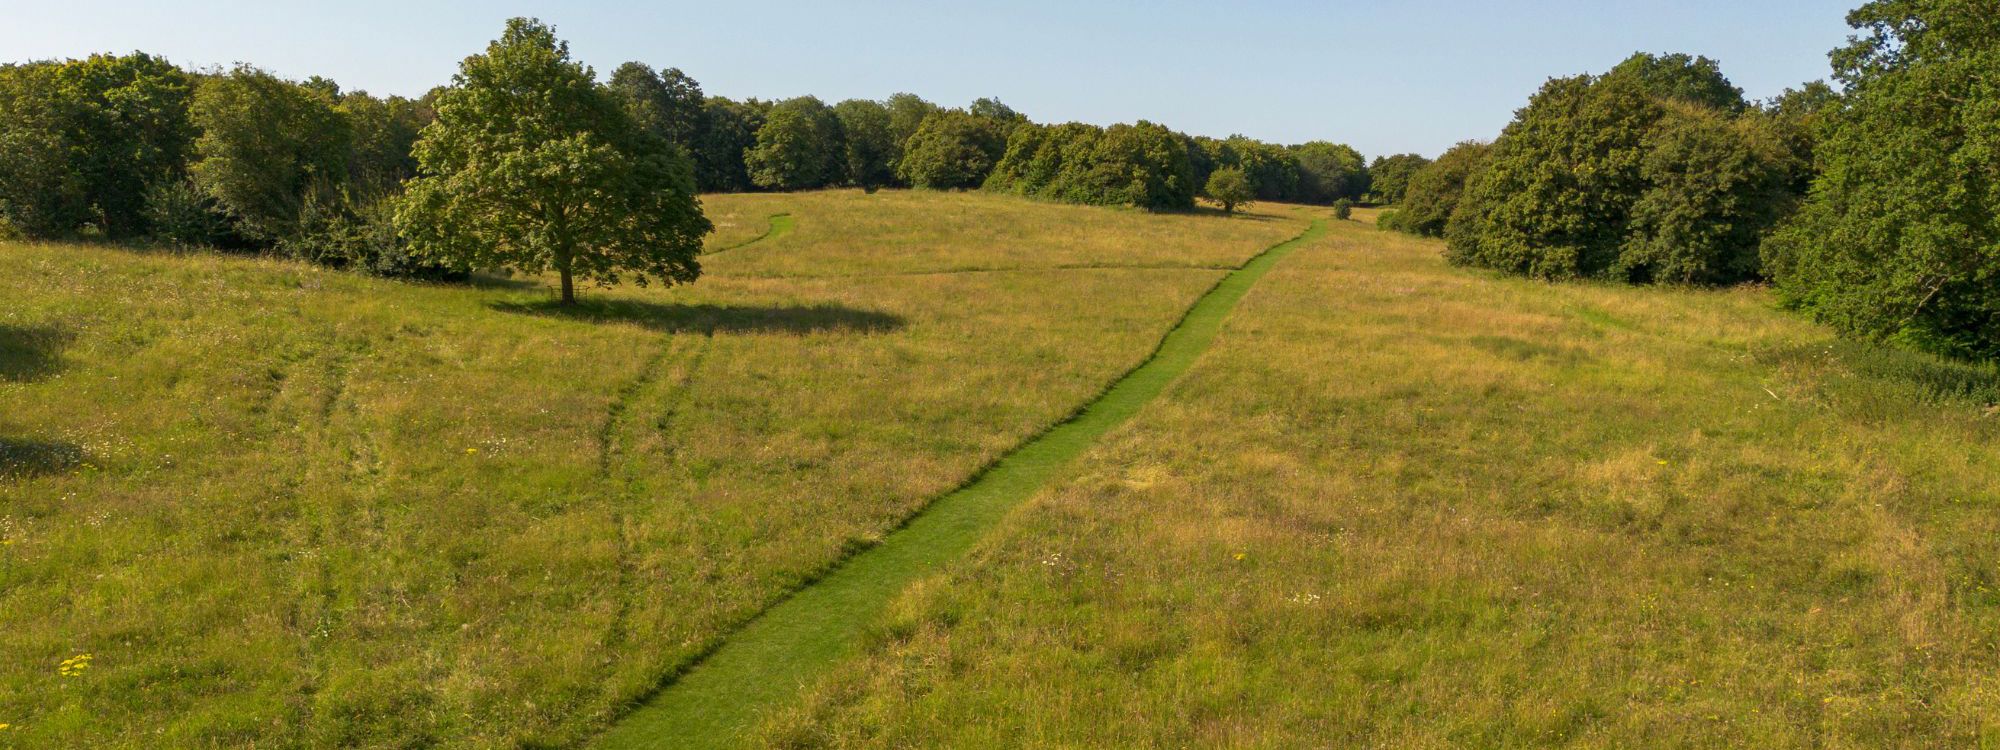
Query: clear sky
{"type": "Point", "coordinates": [1383, 76]}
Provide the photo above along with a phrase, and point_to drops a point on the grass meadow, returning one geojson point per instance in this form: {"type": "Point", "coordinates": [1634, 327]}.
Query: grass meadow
{"type": "Point", "coordinates": [1399, 504]}
{"type": "Point", "coordinates": [248, 502]}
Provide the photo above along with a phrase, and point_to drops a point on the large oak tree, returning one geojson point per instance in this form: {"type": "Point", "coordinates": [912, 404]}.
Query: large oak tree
{"type": "Point", "coordinates": [532, 165]}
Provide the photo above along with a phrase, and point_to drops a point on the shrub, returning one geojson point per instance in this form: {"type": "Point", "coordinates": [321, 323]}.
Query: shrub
{"type": "Point", "coordinates": [181, 214]}
{"type": "Point", "coordinates": [1343, 209]}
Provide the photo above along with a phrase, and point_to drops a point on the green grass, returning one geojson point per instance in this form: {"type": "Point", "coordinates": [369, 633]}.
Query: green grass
{"type": "Point", "coordinates": [758, 668]}
{"type": "Point", "coordinates": [1399, 504]}
{"type": "Point", "coordinates": [779, 226]}
{"type": "Point", "coordinates": [283, 506]}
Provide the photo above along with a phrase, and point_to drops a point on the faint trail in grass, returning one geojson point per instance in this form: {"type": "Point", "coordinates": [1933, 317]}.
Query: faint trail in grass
{"type": "Point", "coordinates": [621, 402]}
{"type": "Point", "coordinates": [616, 417]}
{"type": "Point", "coordinates": [780, 225]}
{"type": "Point", "coordinates": [767, 661]}
{"type": "Point", "coordinates": [312, 522]}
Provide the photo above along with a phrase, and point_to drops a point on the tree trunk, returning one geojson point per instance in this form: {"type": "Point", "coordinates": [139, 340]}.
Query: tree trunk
{"type": "Point", "coordinates": [568, 287]}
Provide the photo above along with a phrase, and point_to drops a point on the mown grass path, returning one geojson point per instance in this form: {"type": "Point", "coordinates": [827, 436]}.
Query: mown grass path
{"type": "Point", "coordinates": [770, 658]}
{"type": "Point", "coordinates": [780, 225]}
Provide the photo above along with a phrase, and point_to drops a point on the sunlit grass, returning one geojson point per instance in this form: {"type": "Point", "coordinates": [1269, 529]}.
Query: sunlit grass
{"type": "Point", "coordinates": [1403, 505]}
{"type": "Point", "coordinates": [279, 505]}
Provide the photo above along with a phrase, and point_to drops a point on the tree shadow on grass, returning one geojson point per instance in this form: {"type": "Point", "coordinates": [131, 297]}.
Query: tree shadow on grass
{"type": "Point", "coordinates": [21, 458]}
{"type": "Point", "coordinates": [30, 353]}
{"type": "Point", "coordinates": [490, 280]}
{"type": "Point", "coordinates": [675, 318]}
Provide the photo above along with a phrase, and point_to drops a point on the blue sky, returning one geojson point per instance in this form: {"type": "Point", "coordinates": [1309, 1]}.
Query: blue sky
{"type": "Point", "coordinates": [1383, 76]}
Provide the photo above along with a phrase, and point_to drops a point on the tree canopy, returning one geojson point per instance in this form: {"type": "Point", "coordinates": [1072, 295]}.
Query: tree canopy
{"type": "Point", "coordinates": [1655, 171]}
{"type": "Point", "coordinates": [952, 149]}
{"type": "Point", "coordinates": [1389, 176]}
{"type": "Point", "coordinates": [1434, 189]}
{"type": "Point", "coordinates": [1230, 188]}
{"type": "Point", "coordinates": [801, 146]}
{"type": "Point", "coordinates": [269, 148]}
{"type": "Point", "coordinates": [1898, 238]}
{"type": "Point", "coordinates": [532, 165]}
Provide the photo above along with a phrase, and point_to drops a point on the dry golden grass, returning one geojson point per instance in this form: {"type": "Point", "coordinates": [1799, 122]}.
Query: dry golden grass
{"type": "Point", "coordinates": [282, 506]}
{"type": "Point", "coordinates": [1403, 505]}
{"type": "Point", "coordinates": [848, 232]}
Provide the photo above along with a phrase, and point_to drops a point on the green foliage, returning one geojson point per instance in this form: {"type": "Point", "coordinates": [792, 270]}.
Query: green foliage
{"type": "Point", "coordinates": [180, 214]}
{"type": "Point", "coordinates": [1389, 176]}
{"type": "Point", "coordinates": [81, 141]}
{"type": "Point", "coordinates": [364, 238]}
{"type": "Point", "coordinates": [907, 113]}
{"type": "Point", "coordinates": [1229, 187]}
{"type": "Point", "coordinates": [1273, 171]}
{"type": "Point", "coordinates": [1343, 209]}
{"type": "Point", "coordinates": [1715, 186]}
{"type": "Point", "coordinates": [871, 145]}
{"type": "Point", "coordinates": [532, 165]}
{"type": "Point", "coordinates": [1434, 190]}
{"type": "Point", "coordinates": [40, 194]}
{"type": "Point", "coordinates": [1556, 197]}
{"type": "Point", "coordinates": [1143, 165]}
{"type": "Point", "coordinates": [1898, 238]}
{"type": "Point", "coordinates": [799, 147]}
{"type": "Point", "coordinates": [666, 103]}
{"type": "Point", "coordinates": [1797, 119]}
{"type": "Point", "coordinates": [268, 146]}
{"type": "Point", "coordinates": [719, 152]}
{"type": "Point", "coordinates": [1656, 171]}
{"type": "Point", "coordinates": [1694, 80]}
{"type": "Point", "coordinates": [952, 149]}
{"type": "Point", "coordinates": [999, 113]}
{"type": "Point", "coordinates": [384, 131]}
{"type": "Point", "coordinates": [1328, 172]}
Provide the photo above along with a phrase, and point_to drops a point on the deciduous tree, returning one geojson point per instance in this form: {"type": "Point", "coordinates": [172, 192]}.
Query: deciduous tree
{"type": "Point", "coordinates": [800, 147]}
{"type": "Point", "coordinates": [532, 165]}
{"type": "Point", "coordinates": [1230, 188]}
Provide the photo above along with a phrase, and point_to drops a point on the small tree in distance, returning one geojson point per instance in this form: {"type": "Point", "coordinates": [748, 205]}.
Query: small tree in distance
{"type": "Point", "coordinates": [532, 165]}
{"type": "Point", "coordinates": [1229, 187]}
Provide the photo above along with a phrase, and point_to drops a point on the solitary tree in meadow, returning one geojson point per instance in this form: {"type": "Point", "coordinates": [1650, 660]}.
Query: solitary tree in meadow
{"type": "Point", "coordinates": [1229, 187]}
{"type": "Point", "coordinates": [532, 165]}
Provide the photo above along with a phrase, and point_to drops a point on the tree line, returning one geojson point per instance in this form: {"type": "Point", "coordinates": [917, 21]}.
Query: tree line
{"type": "Point", "coordinates": [134, 148]}
{"type": "Point", "coordinates": [1871, 207]}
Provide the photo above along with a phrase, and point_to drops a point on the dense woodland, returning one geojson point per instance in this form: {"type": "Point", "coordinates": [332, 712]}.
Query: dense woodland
{"type": "Point", "coordinates": [1871, 205]}
{"type": "Point", "coordinates": [134, 148]}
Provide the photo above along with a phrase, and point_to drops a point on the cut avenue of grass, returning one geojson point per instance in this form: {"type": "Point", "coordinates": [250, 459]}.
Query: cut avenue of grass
{"type": "Point", "coordinates": [1403, 505]}
{"type": "Point", "coordinates": [282, 506]}
{"type": "Point", "coordinates": [759, 668]}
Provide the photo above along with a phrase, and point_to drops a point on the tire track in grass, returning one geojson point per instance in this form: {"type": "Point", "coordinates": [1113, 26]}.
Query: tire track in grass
{"type": "Point", "coordinates": [780, 225]}
{"type": "Point", "coordinates": [614, 457]}
{"type": "Point", "coordinates": [766, 662]}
